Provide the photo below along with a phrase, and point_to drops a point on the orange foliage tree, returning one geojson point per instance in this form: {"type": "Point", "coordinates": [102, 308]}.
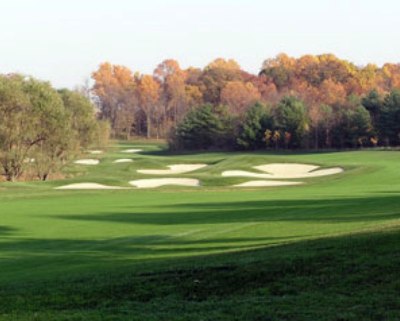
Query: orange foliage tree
{"type": "Point", "coordinates": [114, 89]}
{"type": "Point", "coordinates": [322, 82]}
{"type": "Point", "coordinates": [149, 99]}
{"type": "Point", "coordinates": [239, 96]}
{"type": "Point", "coordinates": [215, 76]}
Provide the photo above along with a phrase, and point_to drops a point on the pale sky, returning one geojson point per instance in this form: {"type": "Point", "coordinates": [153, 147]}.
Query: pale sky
{"type": "Point", "coordinates": [63, 41]}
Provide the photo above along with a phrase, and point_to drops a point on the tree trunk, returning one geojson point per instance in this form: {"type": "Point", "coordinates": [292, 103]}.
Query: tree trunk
{"type": "Point", "coordinates": [148, 120]}
{"type": "Point", "coordinates": [328, 138]}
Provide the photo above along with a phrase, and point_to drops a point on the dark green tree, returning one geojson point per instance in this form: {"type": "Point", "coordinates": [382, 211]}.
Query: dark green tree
{"type": "Point", "coordinates": [252, 132]}
{"type": "Point", "coordinates": [373, 102]}
{"type": "Point", "coordinates": [389, 124]}
{"type": "Point", "coordinates": [205, 127]}
{"type": "Point", "coordinates": [292, 120]}
{"type": "Point", "coordinates": [353, 128]}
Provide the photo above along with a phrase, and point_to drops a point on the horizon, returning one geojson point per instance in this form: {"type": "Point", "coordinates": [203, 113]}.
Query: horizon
{"type": "Point", "coordinates": [65, 42]}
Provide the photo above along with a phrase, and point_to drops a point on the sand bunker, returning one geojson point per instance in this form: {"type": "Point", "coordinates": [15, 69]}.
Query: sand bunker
{"type": "Point", "coordinates": [123, 160]}
{"type": "Point", "coordinates": [157, 182]}
{"type": "Point", "coordinates": [87, 162]}
{"type": "Point", "coordinates": [173, 169]}
{"type": "Point", "coordinates": [297, 170]}
{"type": "Point", "coordinates": [89, 186]}
{"type": "Point", "coordinates": [95, 152]}
{"type": "Point", "coordinates": [244, 174]}
{"type": "Point", "coordinates": [129, 151]}
{"type": "Point", "coordinates": [267, 183]}
{"type": "Point", "coordinates": [287, 171]}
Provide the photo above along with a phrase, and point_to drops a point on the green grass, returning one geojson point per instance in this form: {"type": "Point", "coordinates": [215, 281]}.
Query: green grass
{"type": "Point", "coordinates": [328, 250]}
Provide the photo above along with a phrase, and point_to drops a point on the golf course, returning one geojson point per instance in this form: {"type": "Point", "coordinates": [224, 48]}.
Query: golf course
{"type": "Point", "coordinates": [325, 249]}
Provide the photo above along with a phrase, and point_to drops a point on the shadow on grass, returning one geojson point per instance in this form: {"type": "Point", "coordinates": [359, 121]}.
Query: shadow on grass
{"type": "Point", "coordinates": [6, 230]}
{"type": "Point", "coordinates": [351, 276]}
{"type": "Point", "coordinates": [368, 209]}
{"type": "Point", "coordinates": [29, 256]}
{"type": "Point", "coordinates": [20, 254]}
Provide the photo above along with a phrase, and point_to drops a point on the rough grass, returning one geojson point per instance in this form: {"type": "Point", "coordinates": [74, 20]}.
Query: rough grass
{"type": "Point", "coordinates": [328, 250]}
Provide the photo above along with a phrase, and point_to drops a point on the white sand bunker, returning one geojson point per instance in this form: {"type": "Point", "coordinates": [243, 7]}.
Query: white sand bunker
{"type": "Point", "coordinates": [130, 151]}
{"type": "Point", "coordinates": [173, 169]}
{"type": "Point", "coordinates": [285, 171]}
{"type": "Point", "coordinates": [267, 183]}
{"type": "Point", "coordinates": [157, 182]}
{"type": "Point", "coordinates": [89, 186]}
{"type": "Point", "coordinates": [297, 170]}
{"type": "Point", "coordinates": [87, 162]}
{"type": "Point", "coordinates": [95, 152]}
{"type": "Point", "coordinates": [123, 160]}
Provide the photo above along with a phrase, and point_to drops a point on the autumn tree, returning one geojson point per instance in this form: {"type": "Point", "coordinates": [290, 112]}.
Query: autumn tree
{"type": "Point", "coordinates": [280, 70]}
{"type": "Point", "coordinates": [264, 85]}
{"type": "Point", "coordinates": [193, 97]}
{"type": "Point", "coordinates": [173, 89]}
{"type": "Point", "coordinates": [325, 84]}
{"type": "Point", "coordinates": [114, 89]}
{"type": "Point", "coordinates": [391, 76]}
{"type": "Point", "coordinates": [332, 93]}
{"type": "Point", "coordinates": [368, 78]}
{"type": "Point", "coordinates": [307, 68]}
{"type": "Point", "coordinates": [331, 67]}
{"type": "Point", "coordinates": [149, 100]}
{"type": "Point", "coordinates": [215, 76]}
{"type": "Point", "coordinates": [193, 87]}
{"type": "Point", "coordinates": [239, 96]}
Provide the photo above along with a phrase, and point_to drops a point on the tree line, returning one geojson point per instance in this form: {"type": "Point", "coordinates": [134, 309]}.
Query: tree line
{"type": "Point", "coordinates": [308, 102]}
{"type": "Point", "coordinates": [287, 125]}
{"type": "Point", "coordinates": [42, 128]}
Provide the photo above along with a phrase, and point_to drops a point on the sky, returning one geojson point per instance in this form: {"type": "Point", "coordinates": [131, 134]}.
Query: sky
{"type": "Point", "coordinates": [63, 41]}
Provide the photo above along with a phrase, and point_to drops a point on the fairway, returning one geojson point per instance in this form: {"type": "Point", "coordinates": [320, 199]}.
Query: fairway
{"type": "Point", "coordinates": [87, 254]}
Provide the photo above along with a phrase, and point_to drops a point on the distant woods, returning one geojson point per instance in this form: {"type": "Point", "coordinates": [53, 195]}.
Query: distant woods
{"type": "Point", "coordinates": [41, 128]}
{"type": "Point", "coordinates": [310, 102]}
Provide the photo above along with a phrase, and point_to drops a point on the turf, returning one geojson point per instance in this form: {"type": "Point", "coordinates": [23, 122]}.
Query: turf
{"type": "Point", "coordinates": [328, 250]}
